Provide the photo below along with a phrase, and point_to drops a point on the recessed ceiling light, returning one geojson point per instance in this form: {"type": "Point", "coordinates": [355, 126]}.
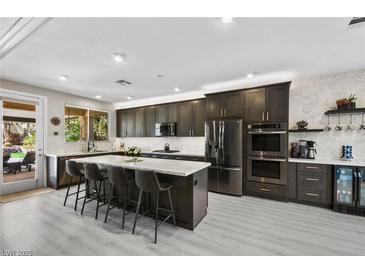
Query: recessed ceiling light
{"type": "Point", "coordinates": [226, 19]}
{"type": "Point", "coordinates": [63, 77]}
{"type": "Point", "coordinates": [98, 97]}
{"type": "Point", "coordinates": [118, 57]}
{"type": "Point", "coordinates": [130, 97]}
{"type": "Point", "coordinates": [177, 89]}
{"type": "Point", "coordinates": [249, 75]}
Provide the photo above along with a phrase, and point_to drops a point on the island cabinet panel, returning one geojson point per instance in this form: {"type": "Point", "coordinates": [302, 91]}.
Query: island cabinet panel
{"type": "Point", "coordinates": [255, 105]}
{"type": "Point", "coordinates": [139, 122]}
{"type": "Point", "coordinates": [150, 118]}
{"type": "Point", "coordinates": [200, 116]}
{"type": "Point", "coordinates": [226, 105]}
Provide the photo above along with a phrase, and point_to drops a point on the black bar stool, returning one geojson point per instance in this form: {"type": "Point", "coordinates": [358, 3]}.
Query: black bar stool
{"type": "Point", "coordinates": [120, 185]}
{"type": "Point", "coordinates": [94, 174]}
{"type": "Point", "coordinates": [73, 170]}
{"type": "Point", "coordinates": [147, 181]}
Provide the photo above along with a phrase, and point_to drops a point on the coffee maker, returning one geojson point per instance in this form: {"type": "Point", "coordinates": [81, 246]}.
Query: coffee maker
{"type": "Point", "coordinates": [311, 150]}
{"type": "Point", "coordinates": [303, 149]}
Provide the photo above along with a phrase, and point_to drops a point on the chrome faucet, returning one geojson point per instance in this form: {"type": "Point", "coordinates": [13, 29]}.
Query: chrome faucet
{"type": "Point", "coordinates": [167, 147]}
{"type": "Point", "coordinates": [90, 146]}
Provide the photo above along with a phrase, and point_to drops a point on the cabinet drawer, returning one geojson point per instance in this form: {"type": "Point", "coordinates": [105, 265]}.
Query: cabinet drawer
{"type": "Point", "coordinates": [311, 179]}
{"type": "Point", "coordinates": [266, 190]}
{"type": "Point", "coordinates": [311, 167]}
{"type": "Point", "coordinates": [311, 195]}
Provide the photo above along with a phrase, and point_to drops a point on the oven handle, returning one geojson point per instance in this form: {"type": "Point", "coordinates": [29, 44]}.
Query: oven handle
{"type": "Point", "coordinates": [268, 159]}
{"type": "Point", "coordinates": [267, 132]}
{"type": "Point", "coordinates": [225, 168]}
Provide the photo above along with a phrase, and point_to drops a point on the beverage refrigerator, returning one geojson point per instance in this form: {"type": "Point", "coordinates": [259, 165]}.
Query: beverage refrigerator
{"type": "Point", "coordinates": [349, 194]}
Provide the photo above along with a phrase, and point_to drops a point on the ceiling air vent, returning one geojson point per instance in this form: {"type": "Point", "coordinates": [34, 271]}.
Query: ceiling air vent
{"type": "Point", "coordinates": [356, 20]}
{"type": "Point", "coordinates": [123, 82]}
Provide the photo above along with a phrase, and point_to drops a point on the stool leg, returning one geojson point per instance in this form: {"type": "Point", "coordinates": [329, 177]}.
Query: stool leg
{"type": "Point", "coordinates": [77, 194]}
{"type": "Point", "coordinates": [172, 207]}
{"type": "Point", "coordinates": [97, 198]}
{"type": "Point", "coordinates": [138, 205]}
{"type": "Point", "coordinates": [68, 190]}
{"type": "Point", "coordinates": [156, 221]}
{"type": "Point", "coordinates": [87, 184]}
{"type": "Point", "coordinates": [125, 189]}
{"type": "Point", "coordinates": [109, 200]}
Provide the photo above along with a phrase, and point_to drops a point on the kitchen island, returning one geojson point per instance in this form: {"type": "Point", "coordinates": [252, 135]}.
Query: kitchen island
{"type": "Point", "coordinates": [189, 180]}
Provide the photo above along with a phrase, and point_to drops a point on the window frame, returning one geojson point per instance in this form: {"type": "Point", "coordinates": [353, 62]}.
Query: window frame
{"type": "Point", "coordinates": [88, 124]}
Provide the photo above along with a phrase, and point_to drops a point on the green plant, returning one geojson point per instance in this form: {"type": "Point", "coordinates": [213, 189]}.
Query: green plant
{"type": "Point", "coordinates": [29, 140]}
{"type": "Point", "coordinates": [100, 126]}
{"type": "Point", "coordinates": [72, 129]}
{"type": "Point", "coordinates": [134, 152]}
{"type": "Point", "coordinates": [352, 98]}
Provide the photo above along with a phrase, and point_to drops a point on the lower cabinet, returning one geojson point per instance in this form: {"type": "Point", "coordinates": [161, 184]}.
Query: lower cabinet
{"type": "Point", "coordinates": [270, 191]}
{"type": "Point", "coordinates": [311, 183]}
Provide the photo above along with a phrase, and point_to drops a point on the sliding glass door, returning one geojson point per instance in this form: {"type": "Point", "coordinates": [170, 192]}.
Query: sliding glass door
{"type": "Point", "coordinates": [22, 139]}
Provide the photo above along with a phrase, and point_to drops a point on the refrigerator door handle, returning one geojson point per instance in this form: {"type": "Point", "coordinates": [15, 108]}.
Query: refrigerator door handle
{"type": "Point", "coordinates": [223, 128]}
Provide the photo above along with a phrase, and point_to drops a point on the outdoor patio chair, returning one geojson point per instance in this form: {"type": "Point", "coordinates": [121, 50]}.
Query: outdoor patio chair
{"type": "Point", "coordinates": [29, 160]}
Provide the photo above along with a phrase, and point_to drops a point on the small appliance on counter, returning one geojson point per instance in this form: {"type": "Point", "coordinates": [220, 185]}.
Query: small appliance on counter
{"type": "Point", "coordinates": [311, 150]}
{"type": "Point", "coordinates": [347, 153]}
{"type": "Point", "coordinates": [303, 149]}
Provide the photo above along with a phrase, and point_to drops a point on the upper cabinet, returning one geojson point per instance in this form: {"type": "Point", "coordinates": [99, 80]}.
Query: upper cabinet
{"type": "Point", "coordinates": [166, 113]}
{"type": "Point", "coordinates": [150, 120]}
{"type": "Point", "coordinates": [269, 104]}
{"type": "Point", "coordinates": [225, 105]}
{"type": "Point", "coordinates": [191, 118]}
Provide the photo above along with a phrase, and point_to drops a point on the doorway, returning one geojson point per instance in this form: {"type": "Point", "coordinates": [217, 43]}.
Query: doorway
{"type": "Point", "coordinates": [22, 139]}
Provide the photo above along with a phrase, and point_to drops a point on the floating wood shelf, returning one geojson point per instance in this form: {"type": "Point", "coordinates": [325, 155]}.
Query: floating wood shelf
{"type": "Point", "coordinates": [306, 130]}
{"type": "Point", "coordinates": [347, 111]}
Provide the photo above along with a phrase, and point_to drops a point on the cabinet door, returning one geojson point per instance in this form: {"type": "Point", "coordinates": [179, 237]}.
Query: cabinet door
{"type": "Point", "coordinates": [130, 123]}
{"type": "Point", "coordinates": [200, 115]}
{"type": "Point", "coordinates": [121, 123]}
{"type": "Point", "coordinates": [139, 122]}
{"type": "Point", "coordinates": [150, 120]}
{"type": "Point", "coordinates": [255, 105]}
{"type": "Point", "coordinates": [185, 121]}
{"type": "Point", "coordinates": [161, 114]}
{"type": "Point", "coordinates": [277, 103]}
{"type": "Point", "coordinates": [214, 109]}
{"type": "Point", "coordinates": [172, 113]}
{"type": "Point", "coordinates": [233, 104]}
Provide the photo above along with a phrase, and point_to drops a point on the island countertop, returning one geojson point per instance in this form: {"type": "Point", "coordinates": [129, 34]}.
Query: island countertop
{"type": "Point", "coordinates": [164, 166]}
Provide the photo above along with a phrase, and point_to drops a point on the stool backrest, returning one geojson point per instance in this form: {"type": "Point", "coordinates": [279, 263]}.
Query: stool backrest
{"type": "Point", "coordinates": [72, 168]}
{"type": "Point", "coordinates": [117, 176]}
{"type": "Point", "coordinates": [92, 172]}
{"type": "Point", "coordinates": [147, 181]}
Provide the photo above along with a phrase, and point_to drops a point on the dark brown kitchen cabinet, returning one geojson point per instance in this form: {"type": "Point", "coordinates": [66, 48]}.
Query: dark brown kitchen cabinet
{"type": "Point", "coordinates": [227, 105]}
{"type": "Point", "coordinates": [150, 118]}
{"type": "Point", "coordinates": [121, 123]}
{"type": "Point", "coordinates": [200, 116]}
{"type": "Point", "coordinates": [191, 118]}
{"type": "Point", "coordinates": [269, 104]}
{"type": "Point", "coordinates": [130, 123]}
{"type": "Point", "coordinates": [255, 105]}
{"type": "Point", "coordinates": [139, 127]}
{"type": "Point", "coordinates": [166, 113]}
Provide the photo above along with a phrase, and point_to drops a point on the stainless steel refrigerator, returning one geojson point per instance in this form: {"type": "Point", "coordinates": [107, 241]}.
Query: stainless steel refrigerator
{"type": "Point", "coordinates": [224, 149]}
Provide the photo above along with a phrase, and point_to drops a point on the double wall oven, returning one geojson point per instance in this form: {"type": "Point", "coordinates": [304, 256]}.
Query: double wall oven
{"type": "Point", "coordinates": [267, 149]}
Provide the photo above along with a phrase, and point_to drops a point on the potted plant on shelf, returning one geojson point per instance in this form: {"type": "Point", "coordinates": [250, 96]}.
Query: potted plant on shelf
{"type": "Point", "coordinates": [346, 103]}
{"type": "Point", "coordinates": [133, 153]}
{"type": "Point", "coordinates": [302, 125]}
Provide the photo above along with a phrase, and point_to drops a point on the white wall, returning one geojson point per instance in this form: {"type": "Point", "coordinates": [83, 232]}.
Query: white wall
{"type": "Point", "coordinates": [310, 98]}
{"type": "Point", "coordinates": [56, 102]}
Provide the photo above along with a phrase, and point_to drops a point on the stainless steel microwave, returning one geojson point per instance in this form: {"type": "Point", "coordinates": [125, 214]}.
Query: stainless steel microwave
{"type": "Point", "coordinates": [165, 129]}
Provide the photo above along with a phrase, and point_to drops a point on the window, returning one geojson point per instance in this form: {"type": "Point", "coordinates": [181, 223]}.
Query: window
{"type": "Point", "coordinates": [85, 125]}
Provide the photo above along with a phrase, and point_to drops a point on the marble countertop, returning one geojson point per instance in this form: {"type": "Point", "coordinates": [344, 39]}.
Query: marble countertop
{"type": "Point", "coordinates": [81, 153]}
{"type": "Point", "coordinates": [328, 162]}
{"type": "Point", "coordinates": [165, 166]}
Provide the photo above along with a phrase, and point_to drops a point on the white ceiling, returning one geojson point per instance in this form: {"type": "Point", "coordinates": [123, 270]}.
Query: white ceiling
{"type": "Point", "coordinates": [197, 54]}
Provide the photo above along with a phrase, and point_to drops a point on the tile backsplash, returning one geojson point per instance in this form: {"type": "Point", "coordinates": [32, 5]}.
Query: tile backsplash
{"type": "Point", "coordinates": [193, 145]}
{"type": "Point", "coordinates": [309, 99]}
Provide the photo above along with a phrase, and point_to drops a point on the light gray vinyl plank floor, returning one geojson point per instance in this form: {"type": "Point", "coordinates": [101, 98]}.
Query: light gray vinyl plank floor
{"type": "Point", "coordinates": [233, 226]}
